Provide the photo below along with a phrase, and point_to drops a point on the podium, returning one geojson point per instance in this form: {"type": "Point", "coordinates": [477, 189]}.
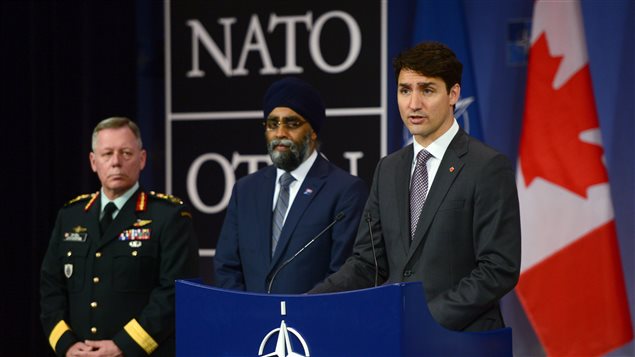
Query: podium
{"type": "Point", "coordinates": [390, 320]}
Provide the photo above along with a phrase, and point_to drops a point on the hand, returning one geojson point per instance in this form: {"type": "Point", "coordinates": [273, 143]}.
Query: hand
{"type": "Point", "coordinates": [102, 348]}
{"type": "Point", "coordinates": [78, 349]}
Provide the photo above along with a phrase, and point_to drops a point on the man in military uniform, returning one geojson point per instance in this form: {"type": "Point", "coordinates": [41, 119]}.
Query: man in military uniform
{"type": "Point", "coordinates": [107, 280]}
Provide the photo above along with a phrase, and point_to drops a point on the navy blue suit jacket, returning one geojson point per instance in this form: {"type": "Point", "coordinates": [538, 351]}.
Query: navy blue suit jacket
{"type": "Point", "coordinates": [243, 254]}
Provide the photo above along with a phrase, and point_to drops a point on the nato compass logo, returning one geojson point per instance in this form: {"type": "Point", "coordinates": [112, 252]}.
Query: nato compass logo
{"type": "Point", "coordinates": [285, 336]}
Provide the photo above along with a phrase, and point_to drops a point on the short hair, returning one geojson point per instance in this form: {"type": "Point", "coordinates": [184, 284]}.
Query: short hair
{"type": "Point", "coordinates": [431, 59]}
{"type": "Point", "coordinates": [115, 123]}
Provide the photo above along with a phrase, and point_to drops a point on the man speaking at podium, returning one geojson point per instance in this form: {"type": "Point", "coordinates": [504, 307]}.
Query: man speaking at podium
{"type": "Point", "coordinates": [443, 211]}
{"type": "Point", "coordinates": [290, 225]}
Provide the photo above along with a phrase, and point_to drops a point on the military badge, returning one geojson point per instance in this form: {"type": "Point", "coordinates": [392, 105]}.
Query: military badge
{"type": "Point", "coordinates": [135, 243]}
{"type": "Point", "coordinates": [142, 222]}
{"type": "Point", "coordinates": [68, 270]}
{"type": "Point", "coordinates": [135, 234]}
{"type": "Point", "coordinates": [78, 234]}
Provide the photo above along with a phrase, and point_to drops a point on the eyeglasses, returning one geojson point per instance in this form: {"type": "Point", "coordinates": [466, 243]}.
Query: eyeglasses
{"type": "Point", "coordinates": [288, 123]}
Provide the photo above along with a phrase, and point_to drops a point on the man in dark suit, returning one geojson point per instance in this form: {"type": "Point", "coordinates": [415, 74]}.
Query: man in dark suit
{"type": "Point", "coordinates": [444, 210]}
{"type": "Point", "coordinates": [107, 280]}
{"type": "Point", "coordinates": [274, 212]}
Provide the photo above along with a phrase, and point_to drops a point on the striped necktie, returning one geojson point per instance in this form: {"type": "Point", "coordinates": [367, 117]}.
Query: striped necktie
{"type": "Point", "coordinates": [281, 209]}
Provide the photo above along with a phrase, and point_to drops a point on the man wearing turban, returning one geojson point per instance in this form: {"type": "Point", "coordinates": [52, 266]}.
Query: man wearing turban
{"type": "Point", "coordinates": [267, 240]}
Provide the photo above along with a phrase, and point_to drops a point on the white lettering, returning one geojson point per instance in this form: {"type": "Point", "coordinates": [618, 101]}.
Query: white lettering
{"type": "Point", "coordinates": [353, 157]}
{"type": "Point", "coordinates": [289, 22]}
{"type": "Point", "coordinates": [353, 50]}
{"type": "Point", "coordinates": [255, 32]}
{"type": "Point", "coordinates": [255, 41]}
{"type": "Point", "coordinates": [228, 172]}
{"type": "Point", "coordinates": [224, 60]}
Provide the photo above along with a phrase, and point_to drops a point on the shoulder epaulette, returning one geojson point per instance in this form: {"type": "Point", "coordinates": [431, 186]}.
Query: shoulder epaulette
{"type": "Point", "coordinates": [80, 198]}
{"type": "Point", "coordinates": [164, 196]}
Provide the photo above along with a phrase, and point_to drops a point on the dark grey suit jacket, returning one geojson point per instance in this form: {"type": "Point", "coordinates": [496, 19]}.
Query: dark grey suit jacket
{"type": "Point", "coordinates": [466, 249]}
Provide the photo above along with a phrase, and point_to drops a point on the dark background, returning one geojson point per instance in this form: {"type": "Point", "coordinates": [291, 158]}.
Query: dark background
{"type": "Point", "coordinates": [65, 65]}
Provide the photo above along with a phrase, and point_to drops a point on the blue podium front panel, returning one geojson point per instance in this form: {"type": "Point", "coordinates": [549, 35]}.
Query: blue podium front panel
{"type": "Point", "coordinates": [391, 320]}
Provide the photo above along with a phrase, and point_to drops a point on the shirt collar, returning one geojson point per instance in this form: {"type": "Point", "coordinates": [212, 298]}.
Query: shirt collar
{"type": "Point", "coordinates": [438, 147]}
{"type": "Point", "coordinates": [301, 171]}
{"type": "Point", "coordinates": [121, 200]}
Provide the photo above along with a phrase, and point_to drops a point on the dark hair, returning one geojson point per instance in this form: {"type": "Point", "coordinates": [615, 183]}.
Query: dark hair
{"type": "Point", "coordinates": [431, 59]}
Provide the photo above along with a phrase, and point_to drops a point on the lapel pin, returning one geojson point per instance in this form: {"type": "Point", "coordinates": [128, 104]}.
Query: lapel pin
{"type": "Point", "coordinates": [308, 191]}
{"type": "Point", "coordinates": [451, 168]}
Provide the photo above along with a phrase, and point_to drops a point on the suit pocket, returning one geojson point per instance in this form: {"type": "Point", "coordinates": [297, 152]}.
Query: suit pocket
{"type": "Point", "coordinates": [74, 264]}
{"type": "Point", "coordinates": [452, 205]}
{"type": "Point", "coordinates": [135, 270]}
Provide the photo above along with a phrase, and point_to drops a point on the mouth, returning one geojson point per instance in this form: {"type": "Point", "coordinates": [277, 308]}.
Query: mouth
{"type": "Point", "coordinates": [416, 119]}
{"type": "Point", "coordinates": [281, 147]}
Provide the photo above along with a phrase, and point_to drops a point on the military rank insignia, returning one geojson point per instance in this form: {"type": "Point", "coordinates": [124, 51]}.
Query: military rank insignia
{"type": "Point", "coordinates": [135, 234]}
{"type": "Point", "coordinates": [77, 234]}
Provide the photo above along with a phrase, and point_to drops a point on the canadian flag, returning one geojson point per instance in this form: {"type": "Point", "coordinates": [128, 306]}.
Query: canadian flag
{"type": "Point", "coordinates": [571, 284]}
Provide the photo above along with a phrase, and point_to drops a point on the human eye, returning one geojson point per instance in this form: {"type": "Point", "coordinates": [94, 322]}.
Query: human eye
{"type": "Point", "coordinates": [404, 90]}
{"type": "Point", "coordinates": [293, 123]}
{"type": "Point", "coordinates": [272, 124]}
{"type": "Point", "coordinates": [427, 91]}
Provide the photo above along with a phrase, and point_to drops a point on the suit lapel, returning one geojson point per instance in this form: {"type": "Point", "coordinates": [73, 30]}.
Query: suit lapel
{"type": "Point", "coordinates": [313, 182]}
{"type": "Point", "coordinates": [264, 203]}
{"type": "Point", "coordinates": [402, 185]}
{"type": "Point", "coordinates": [449, 169]}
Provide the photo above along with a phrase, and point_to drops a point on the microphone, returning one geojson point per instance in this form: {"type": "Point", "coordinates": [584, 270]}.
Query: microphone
{"type": "Point", "coordinates": [337, 218]}
{"type": "Point", "coordinates": [372, 244]}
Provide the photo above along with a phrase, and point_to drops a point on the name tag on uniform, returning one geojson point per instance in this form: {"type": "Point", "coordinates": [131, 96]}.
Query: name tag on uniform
{"type": "Point", "coordinates": [135, 234]}
{"type": "Point", "coordinates": [78, 234]}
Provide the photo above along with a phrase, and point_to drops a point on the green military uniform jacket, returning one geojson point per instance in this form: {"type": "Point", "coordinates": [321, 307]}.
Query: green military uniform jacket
{"type": "Point", "coordinates": [119, 286]}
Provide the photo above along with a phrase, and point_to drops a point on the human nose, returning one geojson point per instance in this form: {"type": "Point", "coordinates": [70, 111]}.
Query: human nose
{"type": "Point", "coordinates": [416, 101]}
{"type": "Point", "coordinates": [116, 159]}
{"type": "Point", "coordinates": [281, 131]}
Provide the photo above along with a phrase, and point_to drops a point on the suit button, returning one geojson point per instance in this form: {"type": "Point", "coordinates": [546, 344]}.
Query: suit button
{"type": "Point", "coordinates": [93, 304]}
{"type": "Point", "coordinates": [93, 330]}
{"type": "Point", "coordinates": [407, 273]}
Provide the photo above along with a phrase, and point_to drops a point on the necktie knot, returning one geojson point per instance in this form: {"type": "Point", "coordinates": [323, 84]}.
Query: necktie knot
{"type": "Point", "coordinates": [286, 179]}
{"type": "Point", "coordinates": [423, 156]}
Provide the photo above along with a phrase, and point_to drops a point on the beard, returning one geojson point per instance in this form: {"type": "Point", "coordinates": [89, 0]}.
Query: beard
{"type": "Point", "coordinates": [292, 158]}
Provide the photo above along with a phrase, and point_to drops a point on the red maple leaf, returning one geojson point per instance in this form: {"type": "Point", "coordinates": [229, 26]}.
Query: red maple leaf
{"type": "Point", "coordinates": [550, 144]}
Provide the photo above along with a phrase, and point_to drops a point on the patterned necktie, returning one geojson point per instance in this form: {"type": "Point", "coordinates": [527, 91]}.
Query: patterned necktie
{"type": "Point", "coordinates": [281, 209]}
{"type": "Point", "coordinates": [418, 189]}
{"type": "Point", "coordinates": [107, 217]}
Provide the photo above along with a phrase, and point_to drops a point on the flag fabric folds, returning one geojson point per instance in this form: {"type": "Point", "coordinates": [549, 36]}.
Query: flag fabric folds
{"type": "Point", "coordinates": [571, 284]}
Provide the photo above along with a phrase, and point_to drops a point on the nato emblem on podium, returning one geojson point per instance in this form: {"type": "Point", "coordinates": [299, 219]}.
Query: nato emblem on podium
{"type": "Point", "coordinates": [285, 338]}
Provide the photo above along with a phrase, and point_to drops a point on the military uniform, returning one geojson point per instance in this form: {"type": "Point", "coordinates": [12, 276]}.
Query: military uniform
{"type": "Point", "coordinates": [119, 285]}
